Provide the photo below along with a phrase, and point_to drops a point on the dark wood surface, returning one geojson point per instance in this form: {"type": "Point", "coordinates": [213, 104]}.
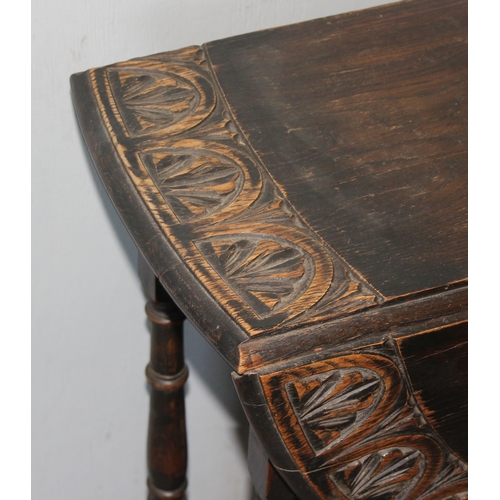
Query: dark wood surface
{"type": "Point", "coordinates": [362, 121]}
{"type": "Point", "coordinates": [239, 227]}
{"type": "Point", "coordinates": [355, 426]}
{"type": "Point", "coordinates": [267, 483]}
{"type": "Point", "coordinates": [300, 193]}
{"type": "Point", "coordinates": [436, 363]}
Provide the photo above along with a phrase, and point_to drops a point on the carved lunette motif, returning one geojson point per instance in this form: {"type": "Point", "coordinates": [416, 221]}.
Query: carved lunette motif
{"type": "Point", "coordinates": [356, 432]}
{"type": "Point", "coordinates": [213, 199]}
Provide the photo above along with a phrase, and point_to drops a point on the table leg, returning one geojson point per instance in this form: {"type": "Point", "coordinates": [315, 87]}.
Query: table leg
{"type": "Point", "coordinates": [166, 374]}
{"type": "Point", "coordinates": [268, 484]}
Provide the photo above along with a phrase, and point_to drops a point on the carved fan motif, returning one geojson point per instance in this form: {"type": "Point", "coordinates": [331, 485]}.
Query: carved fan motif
{"type": "Point", "coordinates": [186, 155]}
{"type": "Point", "coordinates": [194, 185]}
{"type": "Point", "coordinates": [450, 483]}
{"type": "Point", "coordinates": [270, 209]}
{"type": "Point", "coordinates": [150, 100]}
{"type": "Point", "coordinates": [389, 474]}
{"type": "Point", "coordinates": [268, 274]}
{"type": "Point", "coordinates": [365, 436]}
{"type": "Point", "coordinates": [332, 405]}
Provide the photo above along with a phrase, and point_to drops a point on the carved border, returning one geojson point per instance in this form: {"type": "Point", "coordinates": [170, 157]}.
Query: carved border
{"type": "Point", "coordinates": [355, 430]}
{"type": "Point", "coordinates": [214, 200]}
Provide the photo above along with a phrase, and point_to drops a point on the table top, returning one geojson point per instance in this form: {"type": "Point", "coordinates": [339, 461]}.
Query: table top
{"type": "Point", "coordinates": [297, 189]}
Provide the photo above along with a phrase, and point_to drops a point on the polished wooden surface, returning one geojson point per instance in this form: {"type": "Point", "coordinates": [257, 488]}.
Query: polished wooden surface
{"type": "Point", "coordinates": [300, 194]}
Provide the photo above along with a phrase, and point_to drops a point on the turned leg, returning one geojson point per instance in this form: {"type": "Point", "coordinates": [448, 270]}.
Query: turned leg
{"type": "Point", "coordinates": [166, 374]}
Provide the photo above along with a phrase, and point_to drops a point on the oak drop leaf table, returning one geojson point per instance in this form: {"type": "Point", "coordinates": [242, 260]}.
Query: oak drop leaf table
{"type": "Point", "coordinates": [300, 194]}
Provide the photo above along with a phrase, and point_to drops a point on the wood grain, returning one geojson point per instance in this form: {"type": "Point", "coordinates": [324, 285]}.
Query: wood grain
{"type": "Point", "coordinates": [306, 344]}
{"type": "Point", "coordinates": [212, 198]}
{"type": "Point", "coordinates": [301, 194]}
{"type": "Point", "coordinates": [436, 363]}
{"type": "Point", "coordinates": [214, 215]}
{"type": "Point", "coordinates": [361, 119]}
{"type": "Point", "coordinates": [355, 428]}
